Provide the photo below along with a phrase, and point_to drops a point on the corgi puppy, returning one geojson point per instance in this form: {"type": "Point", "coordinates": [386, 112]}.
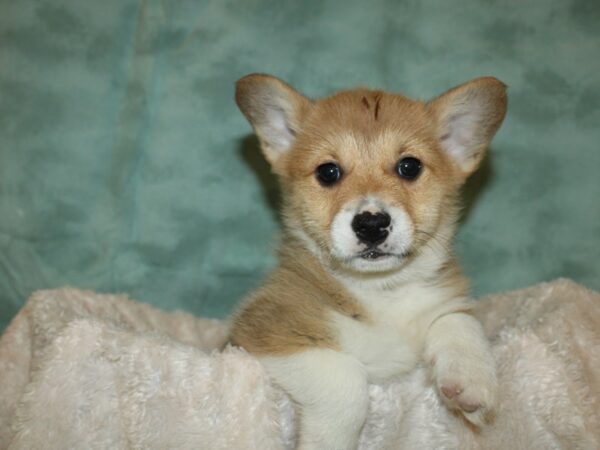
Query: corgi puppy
{"type": "Point", "coordinates": [367, 287]}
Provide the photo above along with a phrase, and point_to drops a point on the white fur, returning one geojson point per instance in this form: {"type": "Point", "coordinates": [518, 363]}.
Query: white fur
{"type": "Point", "coordinates": [393, 341]}
{"type": "Point", "coordinates": [460, 358]}
{"type": "Point", "coordinates": [382, 349]}
{"type": "Point", "coordinates": [401, 231]}
{"type": "Point", "coordinates": [461, 140]}
{"type": "Point", "coordinates": [344, 243]}
{"type": "Point", "coordinates": [331, 387]}
{"type": "Point", "coordinates": [276, 130]}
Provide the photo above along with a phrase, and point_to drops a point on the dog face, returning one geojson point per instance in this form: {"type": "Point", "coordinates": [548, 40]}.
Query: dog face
{"type": "Point", "coordinates": [371, 178]}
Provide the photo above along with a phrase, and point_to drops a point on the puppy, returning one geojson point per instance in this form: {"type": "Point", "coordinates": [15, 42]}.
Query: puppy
{"type": "Point", "coordinates": [367, 286]}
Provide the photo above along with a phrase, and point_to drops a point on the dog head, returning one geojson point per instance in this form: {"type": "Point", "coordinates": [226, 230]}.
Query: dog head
{"type": "Point", "coordinates": [371, 179]}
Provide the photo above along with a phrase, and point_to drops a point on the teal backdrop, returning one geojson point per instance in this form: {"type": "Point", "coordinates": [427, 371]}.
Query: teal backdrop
{"type": "Point", "coordinates": [125, 165]}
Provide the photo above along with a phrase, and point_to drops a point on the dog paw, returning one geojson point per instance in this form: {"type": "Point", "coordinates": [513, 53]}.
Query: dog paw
{"type": "Point", "coordinates": [468, 386]}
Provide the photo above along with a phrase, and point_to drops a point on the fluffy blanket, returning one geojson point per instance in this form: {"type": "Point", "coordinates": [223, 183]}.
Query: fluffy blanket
{"type": "Point", "coordinates": [84, 370]}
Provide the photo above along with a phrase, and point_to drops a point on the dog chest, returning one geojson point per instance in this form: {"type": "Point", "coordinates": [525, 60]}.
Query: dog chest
{"type": "Point", "coordinates": [390, 342]}
{"type": "Point", "coordinates": [384, 350]}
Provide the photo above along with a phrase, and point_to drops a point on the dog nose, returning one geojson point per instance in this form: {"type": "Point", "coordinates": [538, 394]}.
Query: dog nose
{"type": "Point", "coordinates": [371, 228]}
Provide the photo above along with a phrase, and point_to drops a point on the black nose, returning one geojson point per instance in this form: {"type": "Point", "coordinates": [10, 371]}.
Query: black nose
{"type": "Point", "coordinates": [371, 228]}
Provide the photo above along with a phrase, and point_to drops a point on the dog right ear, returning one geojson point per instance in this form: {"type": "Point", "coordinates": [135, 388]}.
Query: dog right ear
{"type": "Point", "coordinates": [467, 117]}
{"type": "Point", "coordinates": [274, 109]}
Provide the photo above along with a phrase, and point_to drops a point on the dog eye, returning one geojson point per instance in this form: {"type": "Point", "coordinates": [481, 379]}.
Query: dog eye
{"type": "Point", "coordinates": [409, 168]}
{"type": "Point", "coordinates": [328, 174]}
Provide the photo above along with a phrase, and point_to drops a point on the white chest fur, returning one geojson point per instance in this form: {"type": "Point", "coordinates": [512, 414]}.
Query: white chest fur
{"type": "Point", "coordinates": [391, 342]}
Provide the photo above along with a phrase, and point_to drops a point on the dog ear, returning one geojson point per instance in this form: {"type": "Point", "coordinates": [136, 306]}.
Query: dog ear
{"type": "Point", "coordinates": [274, 109]}
{"type": "Point", "coordinates": [467, 118]}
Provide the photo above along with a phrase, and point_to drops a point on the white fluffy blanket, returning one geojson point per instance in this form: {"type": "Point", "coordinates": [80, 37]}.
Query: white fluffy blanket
{"type": "Point", "coordinates": [84, 370]}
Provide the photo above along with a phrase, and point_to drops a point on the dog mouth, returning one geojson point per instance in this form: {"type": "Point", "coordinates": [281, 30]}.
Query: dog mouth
{"type": "Point", "coordinates": [373, 254]}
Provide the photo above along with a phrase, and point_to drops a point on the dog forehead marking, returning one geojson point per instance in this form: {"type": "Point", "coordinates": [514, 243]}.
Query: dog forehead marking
{"type": "Point", "coordinates": [377, 105]}
{"type": "Point", "coordinates": [365, 102]}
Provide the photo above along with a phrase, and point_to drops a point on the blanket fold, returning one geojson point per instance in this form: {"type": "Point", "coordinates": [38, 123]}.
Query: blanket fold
{"type": "Point", "coordinates": [86, 370]}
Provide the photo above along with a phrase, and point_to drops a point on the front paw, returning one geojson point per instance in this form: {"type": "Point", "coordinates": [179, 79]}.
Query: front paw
{"type": "Point", "coordinates": [468, 385]}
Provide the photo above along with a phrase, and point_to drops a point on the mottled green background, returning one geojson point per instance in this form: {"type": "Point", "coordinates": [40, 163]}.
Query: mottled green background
{"type": "Point", "coordinates": [125, 165]}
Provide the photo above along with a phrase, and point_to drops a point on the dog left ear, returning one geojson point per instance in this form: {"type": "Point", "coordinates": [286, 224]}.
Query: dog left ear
{"type": "Point", "coordinates": [275, 111]}
{"type": "Point", "coordinates": [467, 118]}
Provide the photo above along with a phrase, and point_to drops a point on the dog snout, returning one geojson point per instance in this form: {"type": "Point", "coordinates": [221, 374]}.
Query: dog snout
{"type": "Point", "coordinates": [372, 229]}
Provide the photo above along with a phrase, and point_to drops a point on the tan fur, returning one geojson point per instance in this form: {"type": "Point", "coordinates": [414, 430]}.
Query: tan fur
{"type": "Point", "coordinates": [288, 313]}
{"type": "Point", "coordinates": [339, 129]}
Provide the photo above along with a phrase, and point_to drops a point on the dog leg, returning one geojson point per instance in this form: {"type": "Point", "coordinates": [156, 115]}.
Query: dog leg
{"type": "Point", "coordinates": [462, 366]}
{"type": "Point", "coordinates": [331, 390]}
